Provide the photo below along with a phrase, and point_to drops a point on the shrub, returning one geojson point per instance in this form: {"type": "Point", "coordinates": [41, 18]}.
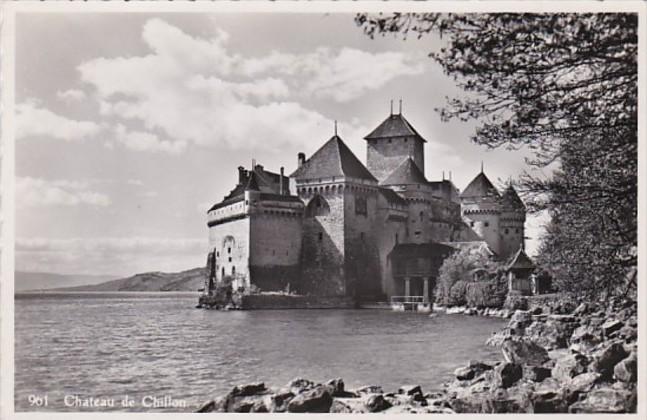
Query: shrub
{"type": "Point", "coordinates": [487, 293]}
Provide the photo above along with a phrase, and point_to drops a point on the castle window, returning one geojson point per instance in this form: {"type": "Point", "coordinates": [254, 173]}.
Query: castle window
{"type": "Point", "coordinates": [486, 224]}
{"type": "Point", "coordinates": [417, 233]}
{"type": "Point", "coordinates": [233, 271]}
{"type": "Point", "coordinates": [360, 205]}
{"type": "Point", "coordinates": [507, 231]}
{"type": "Point", "coordinates": [396, 239]}
{"type": "Point", "coordinates": [320, 236]}
{"type": "Point", "coordinates": [223, 273]}
{"type": "Point", "coordinates": [217, 253]}
{"type": "Point", "coordinates": [471, 224]}
{"type": "Point", "coordinates": [405, 139]}
{"type": "Point", "coordinates": [229, 250]}
{"type": "Point", "coordinates": [422, 214]}
{"type": "Point", "coordinates": [389, 140]}
{"type": "Point", "coordinates": [516, 230]}
{"type": "Point", "coordinates": [229, 259]}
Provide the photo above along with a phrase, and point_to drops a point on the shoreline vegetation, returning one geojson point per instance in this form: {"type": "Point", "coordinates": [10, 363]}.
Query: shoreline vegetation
{"type": "Point", "coordinates": [559, 354]}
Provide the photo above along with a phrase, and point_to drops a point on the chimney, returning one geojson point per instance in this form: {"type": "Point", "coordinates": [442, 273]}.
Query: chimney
{"type": "Point", "coordinates": [241, 175]}
{"type": "Point", "coordinates": [301, 158]}
{"type": "Point", "coordinates": [253, 164]}
{"type": "Point", "coordinates": [450, 175]}
{"type": "Point", "coordinates": [281, 192]}
{"type": "Point", "coordinates": [443, 175]}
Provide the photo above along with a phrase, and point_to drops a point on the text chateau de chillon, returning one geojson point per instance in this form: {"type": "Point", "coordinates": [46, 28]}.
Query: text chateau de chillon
{"type": "Point", "coordinates": [335, 227]}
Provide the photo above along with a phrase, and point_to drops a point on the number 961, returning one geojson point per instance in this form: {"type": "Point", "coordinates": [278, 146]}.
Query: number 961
{"type": "Point", "coordinates": [37, 400]}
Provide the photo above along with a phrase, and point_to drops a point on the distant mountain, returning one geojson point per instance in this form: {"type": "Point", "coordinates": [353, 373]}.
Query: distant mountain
{"type": "Point", "coordinates": [189, 280]}
{"type": "Point", "coordinates": [27, 280]}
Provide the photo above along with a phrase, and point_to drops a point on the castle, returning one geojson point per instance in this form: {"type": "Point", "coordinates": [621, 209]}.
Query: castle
{"type": "Point", "coordinates": [335, 227]}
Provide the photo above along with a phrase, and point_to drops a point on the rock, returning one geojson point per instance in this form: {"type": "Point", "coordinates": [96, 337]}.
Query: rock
{"type": "Point", "coordinates": [259, 407]}
{"type": "Point", "coordinates": [298, 385]}
{"type": "Point", "coordinates": [348, 405]}
{"type": "Point", "coordinates": [507, 374]}
{"type": "Point", "coordinates": [605, 359]}
{"type": "Point", "coordinates": [456, 310]}
{"type": "Point", "coordinates": [551, 334]}
{"type": "Point", "coordinates": [370, 389]}
{"type": "Point", "coordinates": [582, 309]}
{"type": "Point", "coordinates": [535, 373]}
{"type": "Point", "coordinates": [549, 397]}
{"type": "Point", "coordinates": [569, 366]}
{"type": "Point", "coordinates": [524, 352]}
{"type": "Point", "coordinates": [244, 404]}
{"type": "Point", "coordinates": [606, 400]}
{"type": "Point", "coordinates": [586, 337]}
{"type": "Point", "coordinates": [278, 403]}
{"type": "Point", "coordinates": [336, 387]}
{"type": "Point", "coordinates": [582, 383]}
{"type": "Point", "coordinates": [626, 370]}
{"type": "Point", "coordinates": [473, 369]}
{"type": "Point", "coordinates": [611, 326]}
{"type": "Point", "coordinates": [506, 402]}
{"type": "Point", "coordinates": [249, 389]}
{"type": "Point", "coordinates": [207, 407]}
{"type": "Point", "coordinates": [410, 390]}
{"type": "Point", "coordinates": [628, 333]}
{"type": "Point", "coordinates": [376, 403]}
{"type": "Point", "coordinates": [315, 400]}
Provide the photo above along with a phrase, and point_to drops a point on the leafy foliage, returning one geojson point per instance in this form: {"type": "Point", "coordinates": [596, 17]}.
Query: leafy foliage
{"type": "Point", "coordinates": [565, 87]}
{"type": "Point", "coordinates": [455, 276]}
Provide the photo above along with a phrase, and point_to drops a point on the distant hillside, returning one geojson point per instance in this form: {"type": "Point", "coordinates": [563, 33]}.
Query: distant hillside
{"type": "Point", "coordinates": [189, 281]}
{"type": "Point", "coordinates": [27, 280]}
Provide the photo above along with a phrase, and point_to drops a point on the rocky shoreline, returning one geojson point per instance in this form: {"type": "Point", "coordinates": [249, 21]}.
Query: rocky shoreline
{"type": "Point", "coordinates": [558, 356]}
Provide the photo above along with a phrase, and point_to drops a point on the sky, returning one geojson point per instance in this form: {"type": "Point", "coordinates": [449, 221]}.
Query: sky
{"type": "Point", "coordinates": [130, 126]}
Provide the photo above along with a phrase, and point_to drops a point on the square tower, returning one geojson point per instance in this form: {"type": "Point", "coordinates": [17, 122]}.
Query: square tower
{"type": "Point", "coordinates": [390, 143]}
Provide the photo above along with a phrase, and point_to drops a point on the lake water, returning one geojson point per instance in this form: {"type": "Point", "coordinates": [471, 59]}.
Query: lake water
{"type": "Point", "coordinates": [149, 346]}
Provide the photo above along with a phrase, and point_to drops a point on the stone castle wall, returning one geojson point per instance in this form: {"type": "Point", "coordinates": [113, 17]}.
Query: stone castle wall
{"type": "Point", "coordinates": [231, 243]}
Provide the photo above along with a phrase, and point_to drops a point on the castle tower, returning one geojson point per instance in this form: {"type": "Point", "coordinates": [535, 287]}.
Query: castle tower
{"type": "Point", "coordinates": [513, 218]}
{"type": "Point", "coordinates": [480, 208]}
{"type": "Point", "coordinates": [339, 250]}
{"type": "Point", "coordinates": [390, 143]}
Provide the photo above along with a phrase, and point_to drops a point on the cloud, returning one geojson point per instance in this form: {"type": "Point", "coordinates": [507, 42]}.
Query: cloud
{"type": "Point", "coordinates": [194, 90]}
{"type": "Point", "coordinates": [144, 141]}
{"type": "Point", "coordinates": [34, 121]}
{"type": "Point", "coordinates": [71, 95]}
{"type": "Point", "coordinates": [342, 75]}
{"type": "Point", "coordinates": [34, 192]}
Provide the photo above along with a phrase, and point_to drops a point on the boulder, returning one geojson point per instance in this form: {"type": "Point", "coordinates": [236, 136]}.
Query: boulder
{"type": "Point", "coordinates": [627, 369]}
{"type": "Point", "coordinates": [348, 405]}
{"type": "Point", "coordinates": [569, 366]}
{"type": "Point", "coordinates": [611, 326]}
{"type": "Point", "coordinates": [315, 400]}
{"type": "Point", "coordinates": [507, 374]}
{"type": "Point", "coordinates": [298, 385]}
{"type": "Point", "coordinates": [501, 401]}
{"type": "Point", "coordinates": [524, 352]}
{"type": "Point", "coordinates": [549, 397]}
{"type": "Point", "coordinates": [336, 387]}
{"type": "Point", "coordinates": [376, 403]}
{"type": "Point", "coordinates": [550, 334]}
{"type": "Point", "coordinates": [581, 383]}
{"type": "Point", "coordinates": [278, 403]}
{"type": "Point", "coordinates": [585, 337]}
{"type": "Point", "coordinates": [473, 369]}
{"type": "Point", "coordinates": [606, 400]}
{"type": "Point", "coordinates": [207, 407]}
{"type": "Point", "coordinates": [370, 389]}
{"type": "Point", "coordinates": [249, 389]}
{"type": "Point", "coordinates": [535, 373]}
{"type": "Point", "coordinates": [410, 390]}
{"type": "Point", "coordinates": [605, 360]}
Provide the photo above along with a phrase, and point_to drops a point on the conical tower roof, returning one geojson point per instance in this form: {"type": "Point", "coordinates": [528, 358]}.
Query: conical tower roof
{"type": "Point", "coordinates": [510, 199]}
{"type": "Point", "coordinates": [480, 186]}
{"type": "Point", "coordinates": [334, 158]}
{"type": "Point", "coordinates": [407, 172]}
{"type": "Point", "coordinates": [395, 125]}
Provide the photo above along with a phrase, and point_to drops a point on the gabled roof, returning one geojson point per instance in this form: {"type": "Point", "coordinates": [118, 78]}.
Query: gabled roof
{"type": "Point", "coordinates": [392, 197]}
{"type": "Point", "coordinates": [394, 125]}
{"type": "Point", "coordinates": [252, 183]}
{"type": "Point", "coordinates": [334, 158]}
{"type": "Point", "coordinates": [480, 186]}
{"type": "Point", "coordinates": [407, 172]}
{"type": "Point", "coordinates": [428, 250]}
{"type": "Point", "coordinates": [520, 260]}
{"type": "Point", "coordinates": [510, 199]}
